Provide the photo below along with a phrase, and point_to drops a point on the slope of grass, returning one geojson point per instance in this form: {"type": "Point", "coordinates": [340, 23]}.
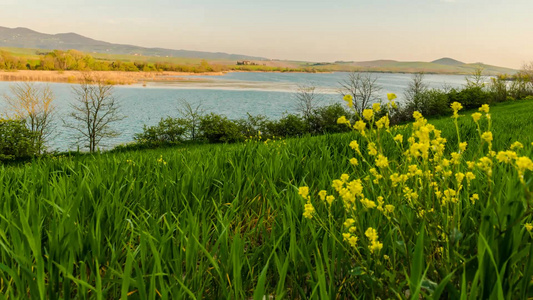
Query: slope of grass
{"type": "Point", "coordinates": [209, 221]}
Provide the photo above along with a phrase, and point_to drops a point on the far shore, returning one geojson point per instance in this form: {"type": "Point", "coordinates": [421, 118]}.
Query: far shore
{"type": "Point", "coordinates": [113, 77]}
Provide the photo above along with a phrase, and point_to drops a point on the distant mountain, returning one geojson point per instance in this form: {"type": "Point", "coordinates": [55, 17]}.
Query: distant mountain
{"type": "Point", "coordinates": [27, 38]}
{"type": "Point", "coordinates": [448, 62]}
{"type": "Point", "coordinates": [444, 66]}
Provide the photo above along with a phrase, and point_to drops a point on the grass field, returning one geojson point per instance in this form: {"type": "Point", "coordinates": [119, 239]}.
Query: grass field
{"type": "Point", "coordinates": [226, 222]}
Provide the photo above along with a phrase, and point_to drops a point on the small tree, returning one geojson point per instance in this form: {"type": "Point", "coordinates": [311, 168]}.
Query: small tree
{"type": "Point", "coordinates": [34, 104]}
{"type": "Point", "coordinates": [93, 112]}
{"type": "Point", "coordinates": [414, 92]}
{"type": "Point", "coordinates": [363, 88]}
{"type": "Point", "coordinates": [527, 74]}
{"type": "Point", "coordinates": [192, 115]}
{"type": "Point", "coordinates": [16, 140]}
{"type": "Point", "coordinates": [306, 102]}
{"type": "Point", "coordinates": [476, 79]}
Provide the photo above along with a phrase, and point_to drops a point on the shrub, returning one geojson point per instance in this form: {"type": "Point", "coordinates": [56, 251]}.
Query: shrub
{"type": "Point", "coordinates": [168, 131]}
{"type": "Point", "coordinates": [16, 140]}
{"type": "Point", "coordinates": [289, 125]}
{"type": "Point", "coordinates": [219, 129]}
{"type": "Point", "coordinates": [470, 97]}
{"type": "Point", "coordinates": [253, 126]}
{"type": "Point", "coordinates": [324, 119]}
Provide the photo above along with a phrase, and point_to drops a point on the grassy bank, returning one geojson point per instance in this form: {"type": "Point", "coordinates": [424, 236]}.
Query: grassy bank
{"type": "Point", "coordinates": [226, 221]}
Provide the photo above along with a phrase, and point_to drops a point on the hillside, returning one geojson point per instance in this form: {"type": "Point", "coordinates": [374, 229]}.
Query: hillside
{"type": "Point", "coordinates": [23, 42]}
{"type": "Point", "coordinates": [442, 66]}
{"type": "Point", "coordinates": [27, 38]}
{"type": "Point", "coordinates": [448, 61]}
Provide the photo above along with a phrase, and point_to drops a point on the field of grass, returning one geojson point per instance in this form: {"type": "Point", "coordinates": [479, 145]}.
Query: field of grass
{"type": "Point", "coordinates": [226, 222]}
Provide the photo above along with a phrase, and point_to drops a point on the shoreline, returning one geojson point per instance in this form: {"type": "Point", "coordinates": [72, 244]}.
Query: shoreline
{"type": "Point", "coordinates": [113, 77]}
{"type": "Point", "coordinates": [130, 78]}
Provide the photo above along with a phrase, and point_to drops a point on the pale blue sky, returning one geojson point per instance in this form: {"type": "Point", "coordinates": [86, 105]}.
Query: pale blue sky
{"type": "Point", "coordinates": [490, 31]}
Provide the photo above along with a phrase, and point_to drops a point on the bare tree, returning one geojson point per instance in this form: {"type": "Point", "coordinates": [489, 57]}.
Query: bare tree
{"type": "Point", "coordinates": [415, 90]}
{"type": "Point", "coordinates": [34, 104]}
{"type": "Point", "coordinates": [527, 73]}
{"type": "Point", "coordinates": [363, 87]}
{"type": "Point", "coordinates": [93, 112]}
{"type": "Point", "coordinates": [306, 100]}
{"type": "Point", "coordinates": [476, 79]}
{"type": "Point", "coordinates": [192, 115]}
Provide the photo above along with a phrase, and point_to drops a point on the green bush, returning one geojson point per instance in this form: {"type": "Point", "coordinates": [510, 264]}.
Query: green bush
{"type": "Point", "coordinates": [16, 140]}
{"type": "Point", "coordinates": [289, 125]}
{"type": "Point", "coordinates": [324, 119]}
{"type": "Point", "coordinates": [253, 126]}
{"type": "Point", "coordinates": [168, 131]}
{"type": "Point", "coordinates": [470, 97]}
{"type": "Point", "coordinates": [219, 129]}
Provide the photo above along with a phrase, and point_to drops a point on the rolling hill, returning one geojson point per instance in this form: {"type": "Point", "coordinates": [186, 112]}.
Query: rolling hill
{"type": "Point", "coordinates": [27, 42]}
{"type": "Point", "coordinates": [27, 38]}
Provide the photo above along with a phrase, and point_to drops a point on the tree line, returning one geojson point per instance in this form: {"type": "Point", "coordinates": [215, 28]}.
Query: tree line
{"type": "Point", "coordinates": [74, 60]}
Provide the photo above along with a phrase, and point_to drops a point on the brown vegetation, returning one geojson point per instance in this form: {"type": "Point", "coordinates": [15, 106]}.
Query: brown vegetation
{"type": "Point", "coordinates": [112, 77]}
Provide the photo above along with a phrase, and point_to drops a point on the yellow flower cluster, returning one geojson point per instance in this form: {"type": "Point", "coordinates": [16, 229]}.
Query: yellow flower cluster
{"type": "Point", "coordinates": [161, 160]}
{"type": "Point", "coordinates": [372, 235]}
{"type": "Point", "coordinates": [425, 179]}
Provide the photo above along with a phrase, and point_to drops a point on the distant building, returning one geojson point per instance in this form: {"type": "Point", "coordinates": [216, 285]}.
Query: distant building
{"type": "Point", "coordinates": [246, 63]}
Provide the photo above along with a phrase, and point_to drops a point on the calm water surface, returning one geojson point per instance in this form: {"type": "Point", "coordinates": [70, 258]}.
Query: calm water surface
{"type": "Point", "coordinates": [233, 95]}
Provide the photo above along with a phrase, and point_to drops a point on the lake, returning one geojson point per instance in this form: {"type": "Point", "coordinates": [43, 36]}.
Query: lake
{"type": "Point", "coordinates": [234, 95]}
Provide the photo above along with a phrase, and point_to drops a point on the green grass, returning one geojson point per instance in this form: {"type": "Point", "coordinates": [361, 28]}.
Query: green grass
{"type": "Point", "coordinates": [225, 222]}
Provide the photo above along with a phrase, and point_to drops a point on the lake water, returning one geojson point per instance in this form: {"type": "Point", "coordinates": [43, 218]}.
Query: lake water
{"type": "Point", "coordinates": [233, 95]}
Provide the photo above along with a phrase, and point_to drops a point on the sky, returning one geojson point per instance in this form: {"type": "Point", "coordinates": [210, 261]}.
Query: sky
{"type": "Point", "coordinates": [489, 31]}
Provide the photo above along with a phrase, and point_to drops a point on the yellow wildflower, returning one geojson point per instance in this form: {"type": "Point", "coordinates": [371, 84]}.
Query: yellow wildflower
{"type": "Point", "coordinates": [349, 222]}
{"type": "Point", "coordinates": [476, 116]}
{"type": "Point", "coordinates": [368, 114]}
{"type": "Point", "coordinates": [372, 149]}
{"type": "Point", "coordinates": [353, 161]}
{"type": "Point", "coordinates": [354, 145]}
{"type": "Point", "coordinates": [528, 226]}
{"type": "Point", "coordinates": [391, 96]}
{"type": "Point", "coordinates": [398, 138]}
{"type": "Point", "coordinates": [360, 125]}
{"type": "Point", "coordinates": [376, 107]}
{"type": "Point", "coordinates": [470, 176]}
{"type": "Point", "coordinates": [304, 192]}
{"type": "Point", "coordinates": [349, 100]}
{"type": "Point", "coordinates": [522, 164]}
{"type": "Point", "coordinates": [517, 146]}
{"type": "Point", "coordinates": [474, 198]}
{"type": "Point", "coordinates": [345, 177]}
{"type": "Point", "coordinates": [322, 195]}
{"type": "Point", "coordinates": [384, 122]}
{"type": "Point", "coordinates": [329, 199]}
{"type": "Point", "coordinates": [382, 161]}
{"type": "Point", "coordinates": [456, 106]}
{"type": "Point", "coordinates": [506, 156]}
{"type": "Point", "coordinates": [487, 136]}
{"type": "Point", "coordinates": [308, 210]}
{"type": "Point", "coordinates": [459, 177]}
{"type": "Point", "coordinates": [343, 120]}
{"type": "Point", "coordinates": [353, 241]}
{"type": "Point", "coordinates": [484, 108]}
{"type": "Point", "coordinates": [369, 204]}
